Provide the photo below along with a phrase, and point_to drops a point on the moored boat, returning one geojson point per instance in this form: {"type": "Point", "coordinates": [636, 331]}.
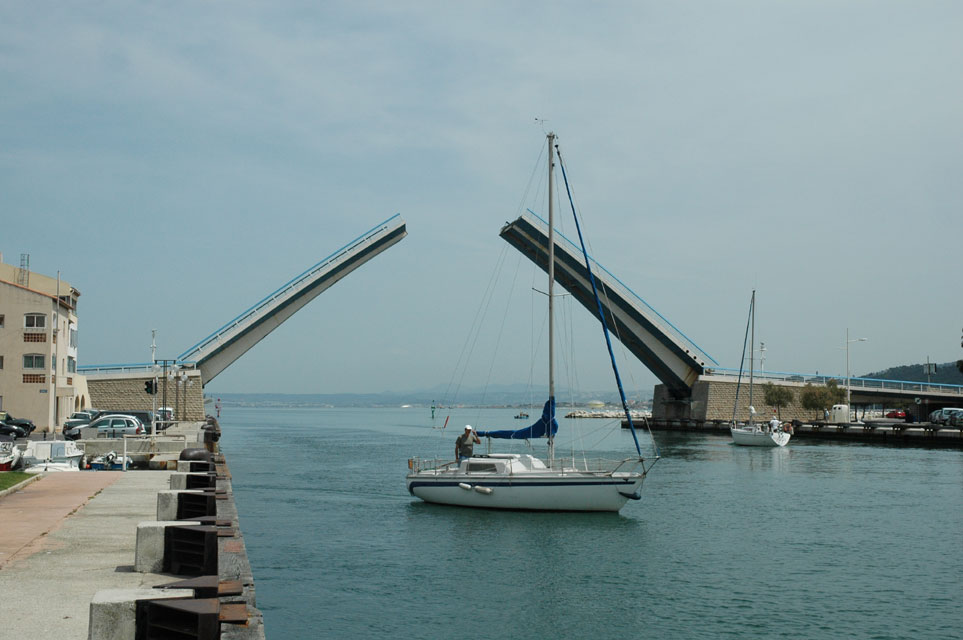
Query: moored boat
{"type": "Point", "coordinates": [9, 454]}
{"type": "Point", "coordinates": [53, 455]}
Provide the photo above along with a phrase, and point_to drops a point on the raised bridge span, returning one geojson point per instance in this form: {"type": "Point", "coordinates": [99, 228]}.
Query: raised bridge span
{"type": "Point", "coordinates": [217, 351]}
{"type": "Point", "coordinates": [674, 359]}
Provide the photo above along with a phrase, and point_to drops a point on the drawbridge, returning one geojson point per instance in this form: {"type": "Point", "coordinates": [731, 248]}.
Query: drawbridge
{"type": "Point", "coordinates": [217, 351]}
{"type": "Point", "coordinates": [674, 359]}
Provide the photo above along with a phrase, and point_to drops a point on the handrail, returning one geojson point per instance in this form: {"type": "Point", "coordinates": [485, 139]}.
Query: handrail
{"type": "Point", "coordinates": [290, 285]}
{"type": "Point", "coordinates": [627, 292]}
{"type": "Point", "coordinates": [862, 383]}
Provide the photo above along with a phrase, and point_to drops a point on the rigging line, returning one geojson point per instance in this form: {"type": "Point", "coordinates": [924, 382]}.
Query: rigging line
{"type": "Point", "coordinates": [531, 179]}
{"type": "Point", "coordinates": [605, 330]}
{"type": "Point", "coordinates": [465, 356]}
{"type": "Point", "coordinates": [742, 361]}
{"type": "Point", "coordinates": [615, 325]}
{"type": "Point", "coordinates": [501, 329]}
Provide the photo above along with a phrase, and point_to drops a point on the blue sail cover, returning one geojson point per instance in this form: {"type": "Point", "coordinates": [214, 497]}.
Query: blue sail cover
{"type": "Point", "coordinates": [537, 430]}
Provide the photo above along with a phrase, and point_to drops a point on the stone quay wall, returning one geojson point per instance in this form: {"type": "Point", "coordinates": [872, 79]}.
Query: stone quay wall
{"type": "Point", "coordinates": [115, 392]}
{"type": "Point", "coordinates": [714, 399]}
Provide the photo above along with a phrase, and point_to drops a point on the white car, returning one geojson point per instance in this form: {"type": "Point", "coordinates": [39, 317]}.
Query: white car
{"type": "Point", "coordinates": [942, 416]}
{"type": "Point", "coordinates": [117, 425]}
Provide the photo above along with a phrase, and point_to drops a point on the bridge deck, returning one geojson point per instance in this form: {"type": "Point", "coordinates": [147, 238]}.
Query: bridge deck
{"type": "Point", "coordinates": [666, 351]}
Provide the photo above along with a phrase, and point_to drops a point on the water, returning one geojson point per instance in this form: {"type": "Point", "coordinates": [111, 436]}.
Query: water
{"type": "Point", "coordinates": [811, 541]}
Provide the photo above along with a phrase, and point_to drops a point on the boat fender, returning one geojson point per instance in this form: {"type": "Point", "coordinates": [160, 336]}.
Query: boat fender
{"type": "Point", "coordinates": [486, 490]}
{"type": "Point", "coordinates": [465, 486]}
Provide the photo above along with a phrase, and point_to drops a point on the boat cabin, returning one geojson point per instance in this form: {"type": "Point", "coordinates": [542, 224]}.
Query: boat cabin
{"type": "Point", "coordinates": [502, 463]}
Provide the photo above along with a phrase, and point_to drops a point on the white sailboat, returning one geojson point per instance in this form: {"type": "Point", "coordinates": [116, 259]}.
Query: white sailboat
{"type": "Point", "coordinates": [523, 481]}
{"type": "Point", "coordinates": [753, 434]}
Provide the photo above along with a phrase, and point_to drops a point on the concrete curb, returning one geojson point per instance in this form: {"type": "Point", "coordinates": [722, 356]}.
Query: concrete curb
{"type": "Point", "coordinates": [21, 485]}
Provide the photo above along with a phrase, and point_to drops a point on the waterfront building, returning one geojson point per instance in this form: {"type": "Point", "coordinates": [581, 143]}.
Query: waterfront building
{"type": "Point", "coordinates": [38, 347]}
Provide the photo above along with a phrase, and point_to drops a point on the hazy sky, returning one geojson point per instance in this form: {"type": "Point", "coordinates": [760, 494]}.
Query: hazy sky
{"type": "Point", "coordinates": [178, 161]}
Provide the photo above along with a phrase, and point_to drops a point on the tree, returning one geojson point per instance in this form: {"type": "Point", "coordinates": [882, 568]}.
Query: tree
{"type": "Point", "coordinates": [777, 397]}
{"type": "Point", "coordinates": [959, 365]}
{"type": "Point", "coordinates": [813, 398]}
{"type": "Point", "coordinates": [835, 394]}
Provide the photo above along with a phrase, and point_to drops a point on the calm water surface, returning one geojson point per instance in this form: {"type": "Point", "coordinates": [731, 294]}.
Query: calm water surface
{"type": "Point", "coordinates": [811, 541]}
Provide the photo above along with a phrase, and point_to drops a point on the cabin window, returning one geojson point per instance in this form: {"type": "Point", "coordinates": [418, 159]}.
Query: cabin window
{"type": "Point", "coordinates": [482, 466]}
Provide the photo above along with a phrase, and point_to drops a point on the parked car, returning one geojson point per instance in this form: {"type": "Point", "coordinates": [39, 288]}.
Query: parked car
{"type": "Point", "coordinates": [145, 417]}
{"type": "Point", "coordinates": [955, 419]}
{"type": "Point", "coordinates": [896, 413]}
{"type": "Point", "coordinates": [12, 430]}
{"type": "Point", "coordinates": [23, 423]}
{"type": "Point", "coordinates": [79, 418]}
{"type": "Point", "coordinates": [117, 425]}
{"type": "Point", "coordinates": [941, 416]}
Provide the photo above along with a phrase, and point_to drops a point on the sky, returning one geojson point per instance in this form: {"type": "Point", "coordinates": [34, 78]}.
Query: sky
{"type": "Point", "coordinates": [178, 161]}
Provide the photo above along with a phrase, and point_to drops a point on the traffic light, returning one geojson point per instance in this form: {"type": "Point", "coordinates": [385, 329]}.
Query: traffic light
{"type": "Point", "coordinates": [150, 387]}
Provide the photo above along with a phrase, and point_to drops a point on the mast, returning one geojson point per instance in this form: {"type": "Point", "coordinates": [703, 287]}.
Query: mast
{"type": "Point", "coordinates": [752, 346]}
{"type": "Point", "coordinates": [551, 284]}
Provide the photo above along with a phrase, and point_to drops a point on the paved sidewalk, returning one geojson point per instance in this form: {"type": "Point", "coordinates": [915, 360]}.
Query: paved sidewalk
{"type": "Point", "coordinates": [29, 514]}
{"type": "Point", "coordinates": [47, 586]}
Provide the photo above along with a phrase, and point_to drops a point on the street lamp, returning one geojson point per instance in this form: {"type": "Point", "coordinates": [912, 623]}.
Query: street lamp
{"type": "Point", "coordinates": [848, 341]}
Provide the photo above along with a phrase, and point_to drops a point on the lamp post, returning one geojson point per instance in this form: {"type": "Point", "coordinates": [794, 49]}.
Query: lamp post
{"type": "Point", "coordinates": [848, 341]}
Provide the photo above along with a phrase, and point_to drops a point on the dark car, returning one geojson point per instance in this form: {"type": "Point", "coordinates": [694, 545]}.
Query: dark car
{"type": "Point", "coordinates": [12, 430]}
{"type": "Point", "coordinates": [79, 419]}
{"type": "Point", "coordinates": [23, 423]}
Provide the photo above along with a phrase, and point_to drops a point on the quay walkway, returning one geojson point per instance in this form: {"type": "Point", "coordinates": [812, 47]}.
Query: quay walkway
{"type": "Point", "coordinates": [77, 549]}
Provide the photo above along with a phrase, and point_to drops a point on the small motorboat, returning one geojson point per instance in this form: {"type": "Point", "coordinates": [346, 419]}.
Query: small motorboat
{"type": "Point", "coordinates": [9, 454]}
{"type": "Point", "coordinates": [53, 455]}
{"type": "Point", "coordinates": [521, 416]}
{"type": "Point", "coordinates": [109, 462]}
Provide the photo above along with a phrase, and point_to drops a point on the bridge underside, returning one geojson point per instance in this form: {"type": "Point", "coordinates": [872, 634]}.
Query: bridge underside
{"type": "Point", "coordinates": [674, 360]}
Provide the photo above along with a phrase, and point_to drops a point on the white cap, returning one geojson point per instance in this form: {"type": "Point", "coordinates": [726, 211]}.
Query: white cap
{"type": "Point", "coordinates": [467, 427]}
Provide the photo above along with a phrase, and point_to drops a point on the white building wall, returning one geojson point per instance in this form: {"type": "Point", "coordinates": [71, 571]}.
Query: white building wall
{"type": "Point", "coordinates": [40, 387]}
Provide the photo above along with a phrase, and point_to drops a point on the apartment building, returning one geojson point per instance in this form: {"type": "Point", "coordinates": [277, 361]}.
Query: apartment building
{"type": "Point", "coordinates": [38, 348]}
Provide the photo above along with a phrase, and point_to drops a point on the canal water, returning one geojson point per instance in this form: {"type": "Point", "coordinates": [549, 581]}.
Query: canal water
{"type": "Point", "coordinates": [816, 540]}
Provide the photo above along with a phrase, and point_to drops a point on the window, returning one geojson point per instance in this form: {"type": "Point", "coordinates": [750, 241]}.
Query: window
{"type": "Point", "coordinates": [33, 361]}
{"type": "Point", "coordinates": [73, 338]}
{"type": "Point", "coordinates": [483, 466]}
{"type": "Point", "coordinates": [1, 362]}
{"type": "Point", "coordinates": [34, 378]}
{"type": "Point", "coordinates": [34, 321]}
{"type": "Point", "coordinates": [1, 321]}
{"type": "Point", "coordinates": [71, 365]}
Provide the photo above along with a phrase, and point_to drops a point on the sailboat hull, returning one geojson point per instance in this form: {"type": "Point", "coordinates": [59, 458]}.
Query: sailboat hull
{"type": "Point", "coordinates": [577, 491]}
{"type": "Point", "coordinates": [755, 437]}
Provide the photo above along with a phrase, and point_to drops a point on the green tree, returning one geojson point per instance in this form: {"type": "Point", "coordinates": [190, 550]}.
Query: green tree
{"type": "Point", "coordinates": [959, 365]}
{"type": "Point", "coordinates": [777, 396]}
{"type": "Point", "coordinates": [835, 393]}
{"type": "Point", "coordinates": [813, 398]}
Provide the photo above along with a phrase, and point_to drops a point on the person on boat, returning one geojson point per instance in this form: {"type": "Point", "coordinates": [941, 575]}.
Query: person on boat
{"type": "Point", "coordinates": [465, 443]}
{"type": "Point", "coordinates": [774, 424]}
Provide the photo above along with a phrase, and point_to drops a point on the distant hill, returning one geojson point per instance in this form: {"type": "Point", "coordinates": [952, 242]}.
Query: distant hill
{"type": "Point", "coordinates": [946, 373]}
{"type": "Point", "coordinates": [503, 396]}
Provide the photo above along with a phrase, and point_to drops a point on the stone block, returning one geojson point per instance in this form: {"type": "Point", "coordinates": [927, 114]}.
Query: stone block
{"type": "Point", "coordinates": [178, 480]}
{"type": "Point", "coordinates": [167, 503]}
{"type": "Point", "coordinates": [113, 612]}
{"type": "Point", "coordinates": [149, 551]}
